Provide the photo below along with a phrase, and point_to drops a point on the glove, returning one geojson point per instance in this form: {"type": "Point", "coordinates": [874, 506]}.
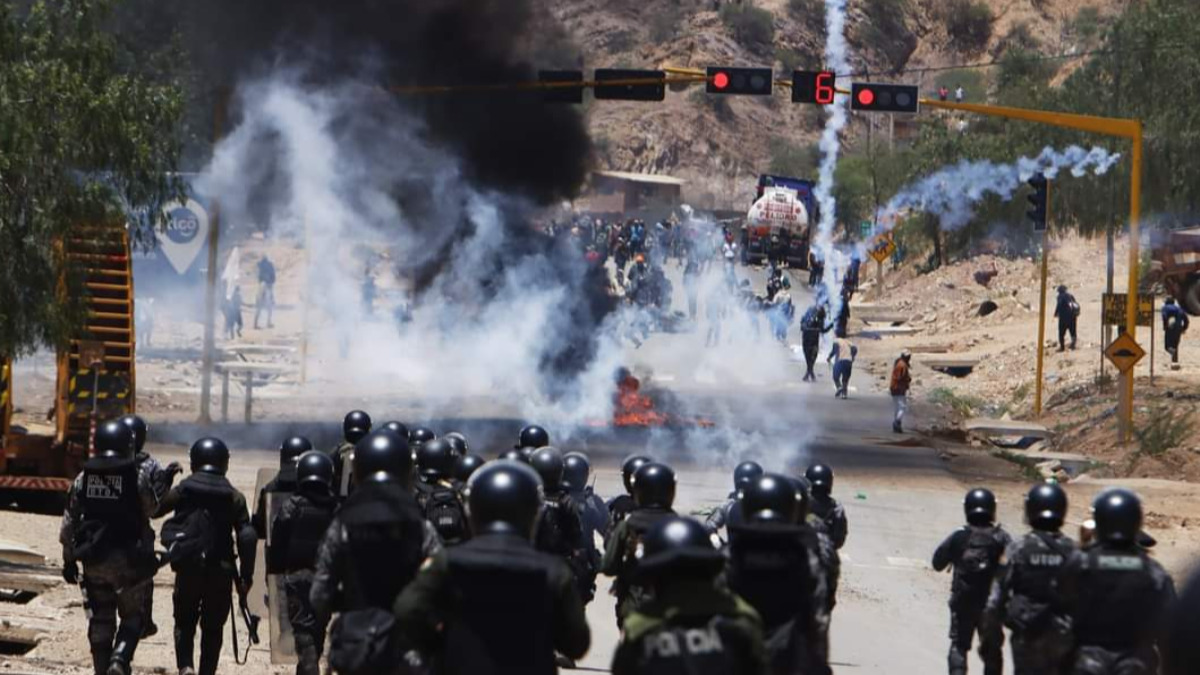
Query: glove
{"type": "Point", "coordinates": [174, 469]}
{"type": "Point", "coordinates": [70, 572]}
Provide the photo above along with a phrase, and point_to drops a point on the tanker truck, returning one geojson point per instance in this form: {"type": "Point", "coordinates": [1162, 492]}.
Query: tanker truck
{"type": "Point", "coordinates": [779, 221]}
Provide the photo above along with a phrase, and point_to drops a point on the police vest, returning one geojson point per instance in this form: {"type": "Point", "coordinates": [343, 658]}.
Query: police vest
{"type": "Point", "coordinates": [977, 562]}
{"type": "Point", "coordinates": [769, 567]}
{"type": "Point", "coordinates": [706, 648]}
{"type": "Point", "coordinates": [502, 614]}
{"type": "Point", "coordinates": [213, 494]}
{"type": "Point", "coordinates": [110, 497]}
{"type": "Point", "coordinates": [637, 525]}
{"type": "Point", "coordinates": [1118, 599]}
{"type": "Point", "coordinates": [309, 525]}
{"type": "Point", "coordinates": [1036, 564]}
{"type": "Point", "coordinates": [558, 529]}
{"type": "Point", "coordinates": [385, 533]}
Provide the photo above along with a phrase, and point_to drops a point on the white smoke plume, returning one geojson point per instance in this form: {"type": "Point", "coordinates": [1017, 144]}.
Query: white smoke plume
{"type": "Point", "coordinates": [951, 193]}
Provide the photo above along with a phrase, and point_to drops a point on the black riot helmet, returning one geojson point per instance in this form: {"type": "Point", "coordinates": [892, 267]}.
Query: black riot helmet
{"type": "Point", "coordinates": [1046, 507]}
{"type": "Point", "coordinates": [504, 497]}
{"type": "Point", "coordinates": [467, 465]}
{"type": "Point", "coordinates": [802, 496]}
{"type": "Point", "coordinates": [138, 426]}
{"type": "Point", "coordinates": [771, 498]}
{"type": "Point", "coordinates": [1118, 514]}
{"type": "Point", "coordinates": [533, 436]}
{"type": "Point", "coordinates": [355, 426]}
{"type": "Point", "coordinates": [383, 457]}
{"type": "Point", "coordinates": [314, 471]}
{"type": "Point", "coordinates": [679, 546]}
{"type": "Point", "coordinates": [514, 455]}
{"type": "Point", "coordinates": [291, 449]}
{"type": "Point", "coordinates": [576, 470]}
{"type": "Point", "coordinates": [745, 473]}
{"type": "Point", "coordinates": [114, 440]}
{"type": "Point", "coordinates": [654, 486]}
{"type": "Point", "coordinates": [435, 459]}
{"type": "Point", "coordinates": [980, 507]}
{"type": "Point", "coordinates": [548, 463]}
{"type": "Point", "coordinates": [820, 479]}
{"type": "Point", "coordinates": [209, 455]}
{"type": "Point", "coordinates": [459, 442]}
{"type": "Point", "coordinates": [420, 435]}
{"type": "Point", "coordinates": [527, 453]}
{"type": "Point", "coordinates": [398, 428]}
{"type": "Point", "coordinates": [630, 467]}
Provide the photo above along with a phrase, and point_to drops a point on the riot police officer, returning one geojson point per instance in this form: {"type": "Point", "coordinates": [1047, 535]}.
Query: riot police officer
{"type": "Point", "coordinates": [355, 426]}
{"type": "Point", "coordinates": [436, 494]}
{"type": "Point", "coordinates": [464, 467]}
{"type": "Point", "coordinates": [593, 514]}
{"type": "Point", "coordinates": [824, 508]}
{"type": "Point", "coordinates": [106, 527]}
{"type": "Point", "coordinates": [1117, 596]}
{"type": "Point", "coordinates": [370, 552]}
{"type": "Point", "coordinates": [653, 495]}
{"type": "Point", "coordinates": [471, 608]}
{"type": "Point", "coordinates": [161, 478]}
{"type": "Point", "coordinates": [398, 428]}
{"type": "Point", "coordinates": [774, 564]}
{"type": "Point", "coordinates": [296, 532]}
{"type": "Point", "coordinates": [459, 442]}
{"type": "Point", "coordinates": [558, 529]}
{"type": "Point", "coordinates": [975, 552]}
{"type": "Point", "coordinates": [693, 626]}
{"type": "Point", "coordinates": [621, 506]}
{"type": "Point", "coordinates": [532, 436]}
{"type": "Point", "coordinates": [210, 514]}
{"type": "Point", "coordinates": [284, 482]}
{"type": "Point", "coordinates": [420, 436]}
{"type": "Point", "coordinates": [515, 455]}
{"type": "Point", "coordinates": [729, 513]}
{"type": "Point", "coordinates": [1026, 597]}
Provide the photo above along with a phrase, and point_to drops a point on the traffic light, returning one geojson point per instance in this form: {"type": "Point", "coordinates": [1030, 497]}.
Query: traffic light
{"type": "Point", "coordinates": [1040, 200]}
{"type": "Point", "coordinates": [813, 87]}
{"type": "Point", "coordinates": [741, 81]}
{"type": "Point", "coordinates": [630, 92]}
{"type": "Point", "coordinates": [562, 94]}
{"type": "Point", "coordinates": [869, 97]}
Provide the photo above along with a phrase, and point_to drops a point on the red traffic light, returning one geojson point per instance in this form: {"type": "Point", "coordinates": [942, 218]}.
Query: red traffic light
{"type": "Point", "coordinates": [897, 98]}
{"type": "Point", "coordinates": [740, 81]}
{"type": "Point", "coordinates": [721, 80]}
{"type": "Point", "coordinates": [866, 97]}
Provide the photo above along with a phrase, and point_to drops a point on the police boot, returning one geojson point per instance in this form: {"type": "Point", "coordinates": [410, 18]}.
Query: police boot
{"type": "Point", "coordinates": [118, 667]}
{"type": "Point", "coordinates": [101, 657]}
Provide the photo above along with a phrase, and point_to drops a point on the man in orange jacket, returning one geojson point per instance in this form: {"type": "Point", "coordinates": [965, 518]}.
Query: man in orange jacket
{"type": "Point", "coordinates": [901, 379]}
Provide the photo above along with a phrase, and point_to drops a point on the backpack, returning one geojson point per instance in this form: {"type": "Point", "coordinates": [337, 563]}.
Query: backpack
{"type": "Point", "coordinates": [188, 538]}
{"type": "Point", "coordinates": [1073, 307]}
{"type": "Point", "coordinates": [551, 532]}
{"type": "Point", "coordinates": [444, 510]}
{"type": "Point", "coordinates": [361, 642]}
{"type": "Point", "coordinates": [976, 567]}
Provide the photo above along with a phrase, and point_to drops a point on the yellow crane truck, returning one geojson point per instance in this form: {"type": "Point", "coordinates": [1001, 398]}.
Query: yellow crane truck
{"type": "Point", "coordinates": [95, 375]}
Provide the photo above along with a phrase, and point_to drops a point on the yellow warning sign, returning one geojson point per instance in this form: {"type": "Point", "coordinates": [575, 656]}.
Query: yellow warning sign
{"type": "Point", "coordinates": [1124, 352]}
{"type": "Point", "coordinates": [883, 247]}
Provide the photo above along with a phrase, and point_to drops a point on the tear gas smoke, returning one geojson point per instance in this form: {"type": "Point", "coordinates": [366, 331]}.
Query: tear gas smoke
{"type": "Point", "coordinates": [952, 192]}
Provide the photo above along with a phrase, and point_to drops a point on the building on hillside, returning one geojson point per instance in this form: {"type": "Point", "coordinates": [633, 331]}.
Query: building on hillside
{"type": "Point", "coordinates": [621, 193]}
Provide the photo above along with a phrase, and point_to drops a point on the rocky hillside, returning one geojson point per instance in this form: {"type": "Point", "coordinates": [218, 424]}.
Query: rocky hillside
{"type": "Point", "coordinates": [720, 144]}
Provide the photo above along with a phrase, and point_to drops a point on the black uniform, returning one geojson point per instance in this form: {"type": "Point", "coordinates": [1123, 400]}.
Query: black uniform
{"type": "Point", "coordinates": [282, 485]}
{"type": "Point", "coordinates": [204, 584]}
{"type": "Point", "coordinates": [370, 552]}
{"type": "Point", "coordinates": [620, 558]}
{"type": "Point", "coordinates": [1118, 598]}
{"type": "Point", "coordinates": [593, 520]}
{"type": "Point", "coordinates": [1066, 310]}
{"type": "Point", "coordinates": [559, 532]}
{"type": "Point", "coordinates": [296, 534]}
{"type": "Point", "coordinates": [976, 553]}
{"type": "Point", "coordinates": [726, 515]}
{"type": "Point", "coordinates": [832, 517]}
{"type": "Point", "coordinates": [343, 472]}
{"type": "Point", "coordinates": [106, 527]}
{"type": "Point", "coordinates": [776, 568]}
{"type": "Point", "coordinates": [812, 325]}
{"type": "Point", "coordinates": [494, 606]}
{"type": "Point", "coordinates": [442, 505]}
{"type": "Point", "coordinates": [1026, 599]}
{"type": "Point", "coordinates": [1175, 324]}
{"type": "Point", "coordinates": [619, 508]}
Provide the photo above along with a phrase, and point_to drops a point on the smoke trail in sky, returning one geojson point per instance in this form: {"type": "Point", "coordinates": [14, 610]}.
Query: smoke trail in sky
{"type": "Point", "coordinates": [952, 192]}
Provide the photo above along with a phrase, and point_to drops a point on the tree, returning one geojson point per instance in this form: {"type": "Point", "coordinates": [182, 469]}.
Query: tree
{"type": "Point", "coordinates": [87, 135]}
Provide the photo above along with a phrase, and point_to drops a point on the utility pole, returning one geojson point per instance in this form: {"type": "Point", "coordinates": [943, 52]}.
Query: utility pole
{"type": "Point", "coordinates": [210, 293]}
{"type": "Point", "coordinates": [1041, 343]}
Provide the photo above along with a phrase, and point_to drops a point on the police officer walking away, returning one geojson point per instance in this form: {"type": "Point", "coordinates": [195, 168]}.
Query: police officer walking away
{"type": "Point", "coordinates": [558, 529]}
{"type": "Point", "coordinates": [436, 494]}
{"type": "Point", "coordinates": [775, 566]}
{"type": "Point", "coordinates": [106, 527]}
{"type": "Point", "coordinates": [1175, 324]}
{"type": "Point", "coordinates": [495, 605]}
{"type": "Point", "coordinates": [621, 506]}
{"type": "Point", "coordinates": [1066, 310]}
{"type": "Point", "coordinates": [828, 511]}
{"type": "Point", "coordinates": [1026, 597]}
{"type": "Point", "coordinates": [283, 483]}
{"type": "Point", "coordinates": [532, 436]}
{"type": "Point", "coordinates": [653, 495]}
{"type": "Point", "coordinates": [812, 326]}
{"type": "Point", "coordinates": [296, 532]}
{"type": "Point", "coordinates": [209, 515]}
{"type": "Point", "coordinates": [730, 513]}
{"type": "Point", "coordinates": [355, 426]}
{"type": "Point", "coordinates": [975, 552]}
{"type": "Point", "coordinates": [370, 552]}
{"type": "Point", "coordinates": [593, 514]}
{"type": "Point", "coordinates": [1118, 596]}
{"type": "Point", "coordinates": [693, 626]}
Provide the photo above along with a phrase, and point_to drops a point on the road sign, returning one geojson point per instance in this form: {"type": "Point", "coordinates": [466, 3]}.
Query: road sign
{"type": "Point", "coordinates": [883, 247]}
{"type": "Point", "coordinates": [1114, 309]}
{"type": "Point", "coordinates": [651, 91]}
{"type": "Point", "coordinates": [866, 227]}
{"type": "Point", "coordinates": [1124, 352]}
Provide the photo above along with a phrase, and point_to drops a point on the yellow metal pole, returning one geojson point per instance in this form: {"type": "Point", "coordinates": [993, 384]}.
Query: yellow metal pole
{"type": "Point", "coordinates": [1041, 343]}
{"type": "Point", "coordinates": [1131, 306]}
